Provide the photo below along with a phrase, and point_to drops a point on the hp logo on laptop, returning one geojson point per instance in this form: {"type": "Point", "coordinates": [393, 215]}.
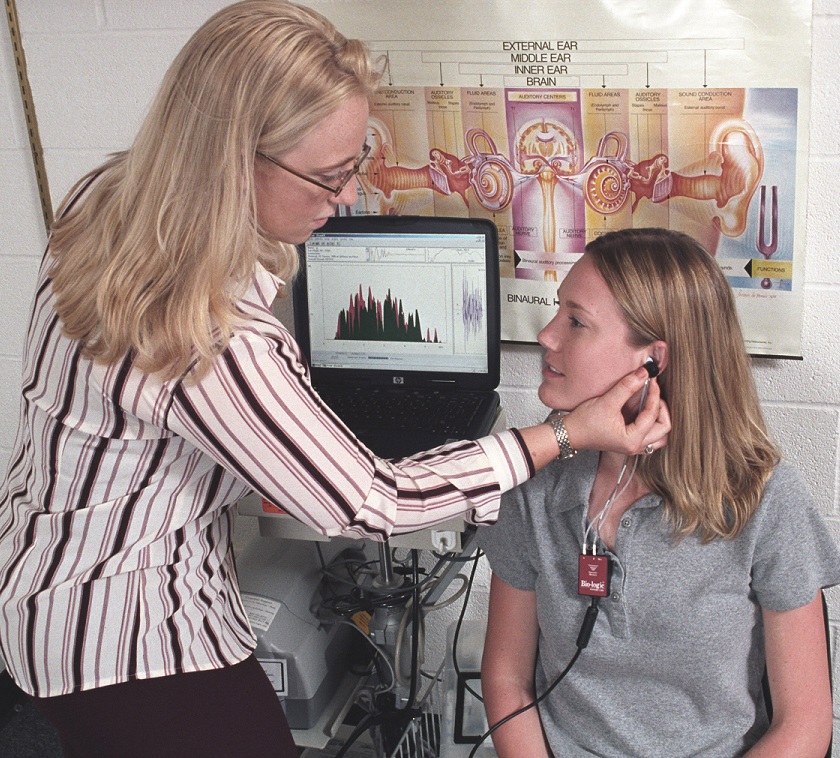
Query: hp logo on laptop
{"type": "Point", "coordinates": [398, 380]}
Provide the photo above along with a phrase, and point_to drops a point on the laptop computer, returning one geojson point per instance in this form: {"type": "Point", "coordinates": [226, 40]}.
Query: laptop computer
{"type": "Point", "coordinates": [399, 318]}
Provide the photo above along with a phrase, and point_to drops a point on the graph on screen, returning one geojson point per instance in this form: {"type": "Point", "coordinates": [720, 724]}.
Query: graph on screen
{"type": "Point", "coordinates": [368, 318]}
{"type": "Point", "coordinates": [472, 308]}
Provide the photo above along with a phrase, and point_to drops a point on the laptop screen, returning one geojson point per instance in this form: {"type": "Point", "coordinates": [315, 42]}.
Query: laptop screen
{"type": "Point", "coordinates": [400, 294]}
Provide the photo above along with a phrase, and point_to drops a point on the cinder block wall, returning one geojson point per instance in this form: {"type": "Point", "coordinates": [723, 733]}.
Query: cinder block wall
{"type": "Point", "coordinates": [94, 66]}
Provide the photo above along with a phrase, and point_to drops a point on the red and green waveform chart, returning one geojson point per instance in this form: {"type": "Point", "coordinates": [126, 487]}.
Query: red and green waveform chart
{"type": "Point", "coordinates": [384, 320]}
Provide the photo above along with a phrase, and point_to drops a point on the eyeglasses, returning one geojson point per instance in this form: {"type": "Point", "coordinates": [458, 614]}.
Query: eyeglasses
{"type": "Point", "coordinates": [342, 179]}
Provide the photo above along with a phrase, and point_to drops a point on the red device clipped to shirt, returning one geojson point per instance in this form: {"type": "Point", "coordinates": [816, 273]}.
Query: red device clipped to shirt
{"type": "Point", "coordinates": [593, 575]}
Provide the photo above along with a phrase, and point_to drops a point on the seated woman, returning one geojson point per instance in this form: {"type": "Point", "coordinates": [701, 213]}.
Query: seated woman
{"type": "Point", "coordinates": [715, 551]}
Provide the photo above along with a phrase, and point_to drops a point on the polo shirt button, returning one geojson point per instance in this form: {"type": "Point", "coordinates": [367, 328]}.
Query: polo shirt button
{"type": "Point", "coordinates": [616, 596]}
{"type": "Point", "coordinates": [626, 522]}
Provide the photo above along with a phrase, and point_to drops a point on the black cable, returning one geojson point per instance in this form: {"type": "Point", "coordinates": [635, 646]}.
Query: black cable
{"type": "Point", "coordinates": [452, 557]}
{"type": "Point", "coordinates": [584, 634]}
{"type": "Point", "coordinates": [368, 720]}
{"type": "Point", "coordinates": [386, 593]}
{"type": "Point", "coordinates": [415, 632]}
{"type": "Point", "coordinates": [320, 556]}
{"type": "Point", "coordinates": [477, 695]}
{"type": "Point", "coordinates": [398, 719]}
{"type": "Point", "coordinates": [370, 597]}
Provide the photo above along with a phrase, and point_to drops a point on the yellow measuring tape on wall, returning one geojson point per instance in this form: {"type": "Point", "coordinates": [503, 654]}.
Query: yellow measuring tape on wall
{"type": "Point", "coordinates": [29, 114]}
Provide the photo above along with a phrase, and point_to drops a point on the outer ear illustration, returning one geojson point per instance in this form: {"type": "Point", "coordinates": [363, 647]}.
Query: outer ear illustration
{"type": "Point", "coordinates": [740, 172]}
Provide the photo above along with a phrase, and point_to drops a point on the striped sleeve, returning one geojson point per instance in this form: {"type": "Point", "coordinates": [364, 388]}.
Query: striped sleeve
{"type": "Point", "coordinates": [258, 416]}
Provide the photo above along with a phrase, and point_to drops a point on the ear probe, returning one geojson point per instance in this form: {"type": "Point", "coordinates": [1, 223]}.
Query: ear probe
{"type": "Point", "coordinates": [652, 367]}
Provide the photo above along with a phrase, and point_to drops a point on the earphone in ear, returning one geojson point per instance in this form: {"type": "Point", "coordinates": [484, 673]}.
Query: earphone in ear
{"type": "Point", "coordinates": [652, 368]}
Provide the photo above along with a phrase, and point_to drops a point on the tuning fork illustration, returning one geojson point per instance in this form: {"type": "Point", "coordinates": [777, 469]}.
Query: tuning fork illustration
{"type": "Point", "coordinates": [765, 248]}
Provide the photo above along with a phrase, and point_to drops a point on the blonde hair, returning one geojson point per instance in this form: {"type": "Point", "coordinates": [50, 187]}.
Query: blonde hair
{"type": "Point", "coordinates": [719, 455]}
{"type": "Point", "coordinates": [155, 257]}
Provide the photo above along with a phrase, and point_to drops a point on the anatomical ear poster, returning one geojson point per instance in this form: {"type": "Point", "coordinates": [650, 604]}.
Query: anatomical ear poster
{"type": "Point", "coordinates": [561, 121]}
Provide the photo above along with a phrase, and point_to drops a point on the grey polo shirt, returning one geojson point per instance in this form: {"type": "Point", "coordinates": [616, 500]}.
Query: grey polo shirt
{"type": "Point", "coordinates": [674, 664]}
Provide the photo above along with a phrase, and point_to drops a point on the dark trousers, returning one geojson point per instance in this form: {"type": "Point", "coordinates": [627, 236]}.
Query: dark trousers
{"type": "Point", "coordinates": [231, 712]}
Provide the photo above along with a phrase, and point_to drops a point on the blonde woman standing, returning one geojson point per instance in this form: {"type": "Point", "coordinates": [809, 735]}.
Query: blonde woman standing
{"type": "Point", "coordinates": [159, 389]}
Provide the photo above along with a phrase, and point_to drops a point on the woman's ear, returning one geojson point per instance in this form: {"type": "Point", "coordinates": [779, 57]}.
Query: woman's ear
{"type": "Point", "coordinates": [658, 351]}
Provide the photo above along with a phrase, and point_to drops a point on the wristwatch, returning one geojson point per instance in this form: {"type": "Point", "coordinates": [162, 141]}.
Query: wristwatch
{"type": "Point", "coordinates": [559, 427]}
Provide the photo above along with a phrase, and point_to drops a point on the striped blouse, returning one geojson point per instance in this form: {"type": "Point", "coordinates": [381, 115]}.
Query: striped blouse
{"type": "Point", "coordinates": [117, 510]}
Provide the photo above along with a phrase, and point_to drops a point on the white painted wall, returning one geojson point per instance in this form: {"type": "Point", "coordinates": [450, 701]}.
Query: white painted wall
{"type": "Point", "coordinates": [94, 66]}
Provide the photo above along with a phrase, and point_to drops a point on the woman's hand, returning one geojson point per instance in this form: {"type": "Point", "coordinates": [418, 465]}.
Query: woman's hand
{"type": "Point", "coordinates": [598, 424]}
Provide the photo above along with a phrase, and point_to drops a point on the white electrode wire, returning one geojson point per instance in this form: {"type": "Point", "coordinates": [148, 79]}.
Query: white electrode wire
{"type": "Point", "coordinates": [616, 498]}
{"type": "Point", "coordinates": [451, 599]}
{"type": "Point", "coordinates": [399, 641]}
{"type": "Point", "coordinates": [595, 523]}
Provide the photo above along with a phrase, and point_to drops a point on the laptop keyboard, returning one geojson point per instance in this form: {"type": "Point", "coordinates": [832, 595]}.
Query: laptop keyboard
{"type": "Point", "coordinates": [435, 412]}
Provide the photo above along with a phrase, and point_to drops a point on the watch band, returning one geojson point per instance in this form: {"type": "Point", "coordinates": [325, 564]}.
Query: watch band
{"type": "Point", "coordinates": [562, 436]}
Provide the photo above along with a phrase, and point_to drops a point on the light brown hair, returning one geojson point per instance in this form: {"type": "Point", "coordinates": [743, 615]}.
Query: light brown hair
{"type": "Point", "coordinates": [719, 455]}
